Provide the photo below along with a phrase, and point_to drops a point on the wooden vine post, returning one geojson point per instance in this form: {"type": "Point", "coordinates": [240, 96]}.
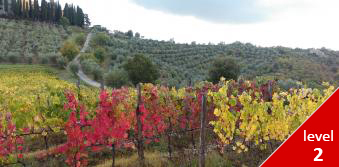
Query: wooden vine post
{"type": "Point", "coordinates": [169, 138]}
{"type": "Point", "coordinates": [139, 134]}
{"type": "Point", "coordinates": [202, 132]}
{"type": "Point", "coordinates": [102, 84]}
{"type": "Point", "coordinates": [78, 86]}
{"type": "Point", "coordinates": [188, 110]}
{"type": "Point", "coordinates": [113, 155]}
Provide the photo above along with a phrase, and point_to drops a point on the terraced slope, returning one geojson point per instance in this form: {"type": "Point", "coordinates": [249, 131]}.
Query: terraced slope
{"type": "Point", "coordinates": [32, 42]}
{"type": "Point", "coordinates": [181, 62]}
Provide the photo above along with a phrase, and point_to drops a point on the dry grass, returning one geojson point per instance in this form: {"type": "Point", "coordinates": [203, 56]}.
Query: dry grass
{"type": "Point", "coordinates": [153, 159]}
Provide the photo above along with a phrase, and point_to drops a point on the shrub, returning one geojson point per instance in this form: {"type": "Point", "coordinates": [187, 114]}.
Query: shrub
{"type": "Point", "coordinates": [74, 67]}
{"type": "Point", "coordinates": [88, 66]}
{"type": "Point", "coordinates": [140, 69]}
{"type": "Point", "coordinates": [100, 53]}
{"type": "Point", "coordinates": [97, 73]}
{"type": "Point", "coordinates": [80, 39]}
{"type": "Point", "coordinates": [100, 39]}
{"type": "Point", "coordinates": [116, 78]}
{"type": "Point", "coordinates": [44, 60]}
{"type": "Point", "coordinates": [2, 58]}
{"type": "Point", "coordinates": [69, 50]}
{"type": "Point", "coordinates": [53, 58]}
{"type": "Point", "coordinates": [64, 22]}
{"type": "Point", "coordinates": [88, 56]}
{"type": "Point", "coordinates": [224, 67]}
{"type": "Point", "coordinates": [13, 57]}
{"type": "Point", "coordinates": [61, 62]}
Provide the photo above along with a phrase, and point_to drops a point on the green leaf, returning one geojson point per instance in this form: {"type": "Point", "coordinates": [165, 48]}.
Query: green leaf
{"type": "Point", "coordinates": [233, 102]}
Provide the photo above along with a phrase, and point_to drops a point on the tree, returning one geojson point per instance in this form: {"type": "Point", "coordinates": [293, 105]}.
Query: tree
{"type": "Point", "coordinates": [6, 5]}
{"type": "Point", "coordinates": [117, 78]}
{"type": "Point", "coordinates": [100, 39]}
{"type": "Point", "coordinates": [26, 10]}
{"type": "Point", "coordinates": [36, 11]}
{"type": "Point", "coordinates": [66, 11]}
{"type": "Point", "coordinates": [64, 22]}
{"type": "Point", "coordinates": [58, 12]}
{"type": "Point", "coordinates": [74, 68]}
{"type": "Point", "coordinates": [80, 17]}
{"type": "Point", "coordinates": [30, 12]}
{"type": "Point", "coordinates": [140, 69]}
{"type": "Point", "coordinates": [137, 35]}
{"type": "Point", "coordinates": [43, 10]}
{"type": "Point", "coordinates": [19, 8]}
{"type": "Point", "coordinates": [100, 53]}
{"type": "Point", "coordinates": [69, 50]}
{"type": "Point", "coordinates": [224, 67]}
{"type": "Point", "coordinates": [14, 7]}
{"type": "Point", "coordinates": [129, 33]}
{"type": "Point", "coordinates": [87, 20]}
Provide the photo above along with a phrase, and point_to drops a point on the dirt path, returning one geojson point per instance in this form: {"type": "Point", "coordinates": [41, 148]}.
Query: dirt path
{"type": "Point", "coordinates": [80, 73]}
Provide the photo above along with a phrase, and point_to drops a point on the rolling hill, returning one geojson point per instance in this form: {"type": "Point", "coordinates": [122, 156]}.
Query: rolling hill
{"type": "Point", "coordinates": [181, 62]}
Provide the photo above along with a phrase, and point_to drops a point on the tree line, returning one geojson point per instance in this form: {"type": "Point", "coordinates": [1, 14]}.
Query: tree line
{"type": "Point", "coordinates": [51, 12]}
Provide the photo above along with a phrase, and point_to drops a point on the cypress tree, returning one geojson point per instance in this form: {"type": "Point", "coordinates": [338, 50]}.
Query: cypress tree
{"type": "Point", "coordinates": [19, 8]}
{"type": "Point", "coordinates": [14, 6]}
{"type": "Point", "coordinates": [6, 5]}
{"type": "Point", "coordinates": [43, 10]}
{"type": "Point", "coordinates": [66, 11]}
{"type": "Point", "coordinates": [30, 13]}
{"type": "Point", "coordinates": [58, 12]}
{"type": "Point", "coordinates": [52, 6]}
{"type": "Point", "coordinates": [80, 17]}
{"type": "Point", "coordinates": [26, 10]}
{"type": "Point", "coordinates": [36, 11]}
{"type": "Point", "coordinates": [49, 12]}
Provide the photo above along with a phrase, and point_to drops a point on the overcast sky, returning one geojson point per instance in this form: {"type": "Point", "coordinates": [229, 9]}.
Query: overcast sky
{"type": "Point", "coordinates": [290, 23]}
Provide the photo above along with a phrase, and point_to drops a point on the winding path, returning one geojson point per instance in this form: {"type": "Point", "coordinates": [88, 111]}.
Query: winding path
{"type": "Point", "coordinates": [80, 73]}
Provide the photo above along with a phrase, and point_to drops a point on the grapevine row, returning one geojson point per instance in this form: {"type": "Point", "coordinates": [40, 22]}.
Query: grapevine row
{"type": "Point", "coordinates": [241, 114]}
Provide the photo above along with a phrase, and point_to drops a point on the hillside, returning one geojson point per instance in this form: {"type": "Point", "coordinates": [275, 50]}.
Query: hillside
{"type": "Point", "coordinates": [33, 42]}
{"type": "Point", "coordinates": [39, 43]}
{"type": "Point", "coordinates": [181, 62]}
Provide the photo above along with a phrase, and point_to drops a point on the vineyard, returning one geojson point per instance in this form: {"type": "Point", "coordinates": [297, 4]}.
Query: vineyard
{"type": "Point", "coordinates": [45, 120]}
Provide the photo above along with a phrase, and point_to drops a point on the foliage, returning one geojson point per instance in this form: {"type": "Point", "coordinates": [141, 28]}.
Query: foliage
{"type": "Point", "coordinates": [140, 69]}
{"type": "Point", "coordinates": [246, 115]}
{"type": "Point", "coordinates": [69, 50]}
{"type": "Point", "coordinates": [100, 54]}
{"type": "Point", "coordinates": [100, 39]}
{"type": "Point", "coordinates": [250, 117]}
{"type": "Point", "coordinates": [32, 42]}
{"type": "Point", "coordinates": [64, 22]}
{"type": "Point", "coordinates": [180, 63]}
{"type": "Point", "coordinates": [74, 67]}
{"type": "Point", "coordinates": [224, 67]}
{"type": "Point", "coordinates": [46, 12]}
{"type": "Point", "coordinates": [36, 92]}
{"type": "Point", "coordinates": [80, 39]}
{"type": "Point", "coordinates": [116, 78]}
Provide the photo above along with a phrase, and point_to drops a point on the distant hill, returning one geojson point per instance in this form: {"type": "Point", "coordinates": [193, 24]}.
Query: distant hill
{"type": "Point", "coordinates": [29, 42]}
{"type": "Point", "coordinates": [181, 62]}
{"type": "Point", "coordinates": [39, 43]}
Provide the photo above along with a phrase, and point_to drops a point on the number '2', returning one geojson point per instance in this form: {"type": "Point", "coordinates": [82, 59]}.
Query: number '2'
{"type": "Point", "coordinates": [319, 154]}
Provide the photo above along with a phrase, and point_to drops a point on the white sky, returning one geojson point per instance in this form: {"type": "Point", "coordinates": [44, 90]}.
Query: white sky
{"type": "Point", "coordinates": [296, 23]}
